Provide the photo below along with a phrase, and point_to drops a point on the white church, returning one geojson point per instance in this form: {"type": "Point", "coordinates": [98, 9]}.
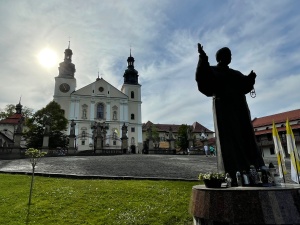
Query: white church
{"type": "Point", "coordinates": [103, 103]}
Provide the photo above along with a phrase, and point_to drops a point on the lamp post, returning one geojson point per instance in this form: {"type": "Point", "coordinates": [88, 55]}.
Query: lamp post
{"type": "Point", "coordinates": [203, 139]}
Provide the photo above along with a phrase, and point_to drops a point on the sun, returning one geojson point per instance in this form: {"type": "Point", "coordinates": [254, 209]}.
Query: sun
{"type": "Point", "coordinates": [47, 58]}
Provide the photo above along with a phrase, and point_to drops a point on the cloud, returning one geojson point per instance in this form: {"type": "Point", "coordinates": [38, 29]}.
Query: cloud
{"type": "Point", "coordinates": [163, 37]}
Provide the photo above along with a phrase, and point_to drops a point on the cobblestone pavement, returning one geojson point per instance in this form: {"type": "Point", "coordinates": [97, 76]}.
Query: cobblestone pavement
{"type": "Point", "coordinates": [183, 167]}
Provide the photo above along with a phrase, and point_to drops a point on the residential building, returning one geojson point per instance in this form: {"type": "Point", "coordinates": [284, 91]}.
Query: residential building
{"type": "Point", "coordinates": [263, 130]}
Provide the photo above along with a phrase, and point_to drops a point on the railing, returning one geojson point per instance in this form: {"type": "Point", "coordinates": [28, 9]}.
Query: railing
{"type": "Point", "coordinates": [162, 151]}
{"type": "Point", "coordinates": [271, 142]}
{"type": "Point", "coordinates": [109, 152]}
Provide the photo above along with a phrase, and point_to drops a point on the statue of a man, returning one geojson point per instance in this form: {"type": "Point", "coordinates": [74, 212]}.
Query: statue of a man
{"type": "Point", "coordinates": [235, 139]}
{"type": "Point", "coordinates": [72, 129]}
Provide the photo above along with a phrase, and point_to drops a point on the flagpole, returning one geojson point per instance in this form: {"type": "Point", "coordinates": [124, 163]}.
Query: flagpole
{"type": "Point", "coordinates": [296, 166]}
{"type": "Point", "coordinates": [281, 167]}
{"type": "Point", "coordinates": [291, 140]}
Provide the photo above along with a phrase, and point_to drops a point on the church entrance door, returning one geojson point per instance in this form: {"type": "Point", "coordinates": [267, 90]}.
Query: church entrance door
{"type": "Point", "coordinates": [132, 147]}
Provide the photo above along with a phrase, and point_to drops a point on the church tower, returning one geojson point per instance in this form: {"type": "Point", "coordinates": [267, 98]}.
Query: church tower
{"type": "Point", "coordinates": [132, 89]}
{"type": "Point", "coordinates": [65, 82]}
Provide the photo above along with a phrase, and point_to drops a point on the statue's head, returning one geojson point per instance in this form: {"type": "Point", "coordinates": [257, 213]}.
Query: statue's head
{"type": "Point", "coordinates": [223, 56]}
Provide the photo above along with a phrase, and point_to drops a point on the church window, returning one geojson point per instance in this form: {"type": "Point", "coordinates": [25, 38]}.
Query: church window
{"type": "Point", "coordinates": [82, 142]}
{"type": "Point", "coordinates": [100, 111]}
{"type": "Point", "coordinates": [101, 89]}
{"type": "Point", "coordinates": [132, 94]}
{"type": "Point", "coordinates": [114, 143]}
{"type": "Point", "coordinates": [132, 129]}
{"type": "Point", "coordinates": [132, 116]}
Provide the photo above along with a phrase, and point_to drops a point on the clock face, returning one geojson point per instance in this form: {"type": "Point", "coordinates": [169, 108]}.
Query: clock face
{"type": "Point", "coordinates": [64, 87]}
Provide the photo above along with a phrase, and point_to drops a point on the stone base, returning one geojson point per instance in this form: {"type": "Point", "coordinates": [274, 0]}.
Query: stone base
{"type": "Point", "coordinates": [246, 205]}
{"type": "Point", "coordinates": [71, 151]}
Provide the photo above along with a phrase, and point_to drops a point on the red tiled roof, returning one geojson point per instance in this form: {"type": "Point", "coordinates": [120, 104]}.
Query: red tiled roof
{"type": "Point", "coordinates": [277, 118]}
{"type": "Point", "coordinates": [196, 127]}
{"type": "Point", "coordinates": [14, 119]}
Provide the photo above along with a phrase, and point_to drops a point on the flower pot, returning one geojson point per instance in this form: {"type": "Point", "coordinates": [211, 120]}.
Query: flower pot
{"type": "Point", "coordinates": [214, 183]}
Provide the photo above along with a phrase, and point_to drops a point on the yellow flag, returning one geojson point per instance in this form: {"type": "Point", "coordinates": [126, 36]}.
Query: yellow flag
{"type": "Point", "coordinates": [279, 152]}
{"type": "Point", "coordinates": [292, 150]}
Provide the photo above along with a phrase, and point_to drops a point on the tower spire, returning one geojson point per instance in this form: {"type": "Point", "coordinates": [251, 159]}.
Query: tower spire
{"type": "Point", "coordinates": [69, 42]}
{"type": "Point", "coordinates": [130, 75]}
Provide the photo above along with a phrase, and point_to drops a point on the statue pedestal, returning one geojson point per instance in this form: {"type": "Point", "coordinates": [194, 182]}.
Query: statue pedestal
{"type": "Point", "coordinates": [246, 205]}
{"type": "Point", "coordinates": [191, 143]}
{"type": "Point", "coordinates": [151, 145]}
{"type": "Point", "coordinates": [71, 151]}
{"type": "Point", "coordinates": [46, 141]}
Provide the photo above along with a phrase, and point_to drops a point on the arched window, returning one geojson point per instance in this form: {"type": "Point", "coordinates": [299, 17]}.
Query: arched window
{"type": "Point", "coordinates": [132, 94]}
{"type": "Point", "coordinates": [132, 116]}
{"type": "Point", "coordinates": [100, 111]}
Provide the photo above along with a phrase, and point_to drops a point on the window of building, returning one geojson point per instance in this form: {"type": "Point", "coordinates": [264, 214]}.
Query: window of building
{"type": "Point", "coordinates": [132, 129]}
{"type": "Point", "coordinates": [114, 143]}
{"type": "Point", "coordinates": [100, 111]}
{"type": "Point", "coordinates": [82, 142]}
{"type": "Point", "coordinates": [132, 94]}
{"type": "Point", "coordinates": [132, 116]}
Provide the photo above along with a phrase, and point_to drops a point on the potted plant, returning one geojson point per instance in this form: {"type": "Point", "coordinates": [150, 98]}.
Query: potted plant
{"type": "Point", "coordinates": [212, 179]}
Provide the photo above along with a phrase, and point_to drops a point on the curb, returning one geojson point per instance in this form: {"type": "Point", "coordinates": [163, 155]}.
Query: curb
{"type": "Point", "coordinates": [97, 177]}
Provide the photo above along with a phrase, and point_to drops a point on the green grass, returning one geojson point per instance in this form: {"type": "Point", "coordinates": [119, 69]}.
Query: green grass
{"type": "Point", "coordinates": [68, 201]}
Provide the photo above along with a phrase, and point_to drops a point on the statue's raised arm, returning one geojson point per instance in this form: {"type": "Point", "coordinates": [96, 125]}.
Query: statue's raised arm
{"type": "Point", "coordinates": [202, 52]}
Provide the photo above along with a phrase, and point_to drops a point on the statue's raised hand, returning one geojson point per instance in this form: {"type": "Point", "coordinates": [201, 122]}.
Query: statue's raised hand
{"type": "Point", "coordinates": [252, 74]}
{"type": "Point", "coordinates": [200, 49]}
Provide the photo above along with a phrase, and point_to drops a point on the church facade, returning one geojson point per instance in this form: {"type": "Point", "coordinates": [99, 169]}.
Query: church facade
{"type": "Point", "coordinates": [100, 103]}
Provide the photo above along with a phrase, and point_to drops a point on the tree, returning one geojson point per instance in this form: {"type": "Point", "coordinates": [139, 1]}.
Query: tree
{"type": "Point", "coordinates": [10, 109]}
{"type": "Point", "coordinates": [155, 136]}
{"type": "Point", "coordinates": [53, 116]}
{"type": "Point", "coordinates": [182, 140]}
{"type": "Point", "coordinates": [34, 155]}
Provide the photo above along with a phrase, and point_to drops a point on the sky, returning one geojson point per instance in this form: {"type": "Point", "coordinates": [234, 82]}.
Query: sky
{"type": "Point", "coordinates": [264, 36]}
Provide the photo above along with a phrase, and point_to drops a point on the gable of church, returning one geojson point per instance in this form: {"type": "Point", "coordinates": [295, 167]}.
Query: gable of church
{"type": "Point", "coordinates": [100, 88]}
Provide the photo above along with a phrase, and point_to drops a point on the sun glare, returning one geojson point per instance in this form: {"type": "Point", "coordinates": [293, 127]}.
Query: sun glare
{"type": "Point", "coordinates": [47, 58]}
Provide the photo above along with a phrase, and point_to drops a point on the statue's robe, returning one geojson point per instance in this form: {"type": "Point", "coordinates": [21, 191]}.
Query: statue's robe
{"type": "Point", "coordinates": [236, 144]}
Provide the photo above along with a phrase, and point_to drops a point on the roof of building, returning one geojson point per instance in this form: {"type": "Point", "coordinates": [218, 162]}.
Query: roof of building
{"type": "Point", "coordinates": [13, 119]}
{"type": "Point", "coordinates": [277, 118]}
{"type": "Point", "coordinates": [280, 118]}
{"type": "Point", "coordinates": [196, 127]}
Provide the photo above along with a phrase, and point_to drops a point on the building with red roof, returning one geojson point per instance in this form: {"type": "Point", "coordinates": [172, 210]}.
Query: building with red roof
{"type": "Point", "coordinates": [263, 130]}
{"type": "Point", "coordinates": [197, 132]}
{"type": "Point", "coordinates": [11, 126]}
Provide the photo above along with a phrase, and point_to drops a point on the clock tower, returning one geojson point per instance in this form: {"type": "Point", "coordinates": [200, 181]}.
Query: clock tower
{"type": "Point", "coordinates": [65, 82]}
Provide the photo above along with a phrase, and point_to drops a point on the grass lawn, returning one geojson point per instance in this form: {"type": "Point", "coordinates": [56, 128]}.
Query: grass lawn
{"type": "Point", "coordinates": [68, 201]}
